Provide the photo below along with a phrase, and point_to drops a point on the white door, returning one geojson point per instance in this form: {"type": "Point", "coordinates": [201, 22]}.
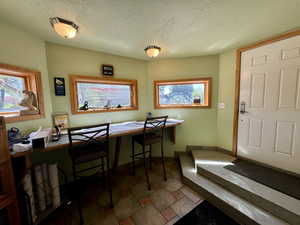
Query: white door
{"type": "Point", "coordinates": [269, 129]}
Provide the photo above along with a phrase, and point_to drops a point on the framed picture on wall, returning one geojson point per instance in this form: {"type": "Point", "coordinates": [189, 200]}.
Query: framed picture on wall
{"type": "Point", "coordinates": [59, 85]}
{"type": "Point", "coordinates": [107, 70]}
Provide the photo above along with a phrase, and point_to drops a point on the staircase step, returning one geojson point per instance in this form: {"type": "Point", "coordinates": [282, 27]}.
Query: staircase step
{"type": "Point", "coordinates": [208, 156]}
{"type": "Point", "coordinates": [210, 164]}
{"type": "Point", "coordinates": [241, 210]}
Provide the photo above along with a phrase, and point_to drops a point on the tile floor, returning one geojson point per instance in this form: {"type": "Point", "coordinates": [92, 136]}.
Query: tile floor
{"type": "Point", "coordinates": [166, 203]}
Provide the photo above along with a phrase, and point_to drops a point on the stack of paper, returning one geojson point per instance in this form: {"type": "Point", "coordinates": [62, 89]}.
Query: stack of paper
{"type": "Point", "coordinates": [40, 188]}
{"type": "Point", "coordinates": [46, 182]}
{"type": "Point", "coordinates": [54, 184]}
{"type": "Point", "coordinates": [27, 186]}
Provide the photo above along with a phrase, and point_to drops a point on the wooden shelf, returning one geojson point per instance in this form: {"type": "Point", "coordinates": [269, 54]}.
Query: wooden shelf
{"type": "Point", "coordinates": [21, 154]}
{"type": "Point", "coordinates": [8, 197]}
{"type": "Point", "coordinates": [6, 200]}
{"type": "Point", "coordinates": [3, 161]}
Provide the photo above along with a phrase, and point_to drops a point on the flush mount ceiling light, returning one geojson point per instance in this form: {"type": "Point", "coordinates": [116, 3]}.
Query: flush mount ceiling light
{"type": "Point", "coordinates": [64, 28]}
{"type": "Point", "coordinates": [152, 51]}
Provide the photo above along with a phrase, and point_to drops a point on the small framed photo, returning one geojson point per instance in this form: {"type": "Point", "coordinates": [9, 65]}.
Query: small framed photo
{"type": "Point", "coordinates": [107, 70]}
{"type": "Point", "coordinates": [59, 85]}
{"type": "Point", "coordinates": [61, 120]}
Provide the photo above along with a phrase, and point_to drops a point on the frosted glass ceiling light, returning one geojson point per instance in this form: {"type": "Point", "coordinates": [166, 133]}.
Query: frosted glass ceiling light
{"type": "Point", "coordinates": [152, 51]}
{"type": "Point", "coordinates": [65, 28]}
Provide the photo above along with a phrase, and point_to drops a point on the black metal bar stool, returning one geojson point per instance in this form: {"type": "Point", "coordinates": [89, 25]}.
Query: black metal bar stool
{"type": "Point", "coordinates": [89, 144]}
{"type": "Point", "coordinates": [153, 133]}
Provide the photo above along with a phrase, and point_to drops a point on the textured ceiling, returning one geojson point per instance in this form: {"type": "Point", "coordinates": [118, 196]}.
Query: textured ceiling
{"type": "Point", "coordinates": [181, 27]}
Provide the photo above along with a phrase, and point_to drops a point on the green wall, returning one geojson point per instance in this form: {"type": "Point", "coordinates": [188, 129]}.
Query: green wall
{"type": "Point", "coordinates": [226, 96]}
{"type": "Point", "coordinates": [208, 127]}
{"type": "Point", "coordinates": [63, 61]}
{"type": "Point", "coordinates": [20, 48]}
{"type": "Point", "coordinates": [199, 127]}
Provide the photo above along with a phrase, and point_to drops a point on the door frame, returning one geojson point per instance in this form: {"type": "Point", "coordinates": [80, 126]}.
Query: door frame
{"type": "Point", "coordinates": [238, 79]}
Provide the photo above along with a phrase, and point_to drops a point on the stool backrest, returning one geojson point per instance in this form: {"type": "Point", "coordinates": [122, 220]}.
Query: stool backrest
{"type": "Point", "coordinates": [89, 134]}
{"type": "Point", "coordinates": [155, 123]}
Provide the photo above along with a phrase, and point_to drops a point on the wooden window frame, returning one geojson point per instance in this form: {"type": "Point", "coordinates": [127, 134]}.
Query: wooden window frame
{"type": "Point", "coordinates": [208, 90]}
{"type": "Point", "coordinates": [33, 82]}
{"type": "Point", "coordinates": [74, 79]}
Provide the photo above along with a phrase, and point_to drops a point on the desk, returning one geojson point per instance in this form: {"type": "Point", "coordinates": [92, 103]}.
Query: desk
{"type": "Point", "coordinates": [117, 130]}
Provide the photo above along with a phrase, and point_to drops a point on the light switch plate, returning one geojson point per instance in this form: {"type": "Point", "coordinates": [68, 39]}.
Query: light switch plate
{"type": "Point", "coordinates": [221, 105]}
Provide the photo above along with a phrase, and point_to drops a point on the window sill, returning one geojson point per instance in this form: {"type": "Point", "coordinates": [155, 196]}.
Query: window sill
{"type": "Point", "coordinates": [12, 118]}
{"type": "Point", "coordinates": [182, 106]}
{"type": "Point", "coordinates": [104, 110]}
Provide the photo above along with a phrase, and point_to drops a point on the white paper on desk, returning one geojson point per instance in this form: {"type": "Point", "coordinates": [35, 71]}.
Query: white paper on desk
{"type": "Point", "coordinates": [123, 123]}
{"type": "Point", "coordinates": [35, 133]}
{"type": "Point", "coordinates": [42, 133]}
{"type": "Point", "coordinates": [125, 127]}
{"type": "Point", "coordinates": [174, 121]}
{"type": "Point", "coordinates": [21, 147]}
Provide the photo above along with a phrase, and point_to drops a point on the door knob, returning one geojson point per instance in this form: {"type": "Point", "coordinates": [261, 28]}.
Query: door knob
{"type": "Point", "coordinates": [243, 108]}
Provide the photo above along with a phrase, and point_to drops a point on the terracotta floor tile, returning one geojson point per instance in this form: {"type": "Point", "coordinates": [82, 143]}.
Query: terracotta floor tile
{"type": "Point", "coordinates": [145, 201]}
{"type": "Point", "coordinates": [148, 216]}
{"type": "Point", "coordinates": [125, 207]}
{"type": "Point", "coordinates": [127, 221]}
{"type": "Point", "coordinates": [173, 221]}
{"type": "Point", "coordinates": [161, 199]}
{"type": "Point", "coordinates": [178, 194]}
{"type": "Point", "coordinates": [164, 205]}
{"type": "Point", "coordinates": [194, 196]}
{"type": "Point", "coordinates": [183, 206]}
{"type": "Point", "coordinates": [168, 213]}
{"type": "Point", "coordinates": [140, 190]}
{"type": "Point", "coordinates": [110, 220]}
{"type": "Point", "coordinates": [173, 184]}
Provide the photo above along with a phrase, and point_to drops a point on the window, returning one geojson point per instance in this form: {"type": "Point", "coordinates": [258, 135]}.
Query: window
{"type": "Point", "coordinates": [189, 93]}
{"type": "Point", "coordinates": [11, 88]}
{"type": "Point", "coordinates": [15, 83]}
{"type": "Point", "coordinates": [92, 94]}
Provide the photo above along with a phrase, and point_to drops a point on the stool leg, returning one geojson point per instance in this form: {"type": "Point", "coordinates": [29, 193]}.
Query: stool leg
{"type": "Point", "coordinates": [108, 180]}
{"type": "Point", "coordinates": [146, 168]}
{"type": "Point", "coordinates": [81, 222]}
{"type": "Point", "coordinates": [163, 160]}
{"type": "Point", "coordinates": [132, 156]}
{"type": "Point", "coordinates": [74, 171]}
{"type": "Point", "coordinates": [150, 156]}
{"type": "Point", "coordinates": [103, 170]}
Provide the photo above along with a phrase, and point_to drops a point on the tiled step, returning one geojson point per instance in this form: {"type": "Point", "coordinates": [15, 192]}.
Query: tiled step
{"type": "Point", "coordinates": [241, 210]}
{"type": "Point", "coordinates": [210, 164]}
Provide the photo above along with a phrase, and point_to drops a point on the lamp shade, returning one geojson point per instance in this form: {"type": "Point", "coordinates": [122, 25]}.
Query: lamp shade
{"type": "Point", "coordinates": [65, 28]}
{"type": "Point", "coordinates": [152, 51]}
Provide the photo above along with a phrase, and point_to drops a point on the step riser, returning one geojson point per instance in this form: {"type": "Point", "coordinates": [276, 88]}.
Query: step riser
{"type": "Point", "coordinates": [223, 206]}
{"type": "Point", "coordinates": [255, 199]}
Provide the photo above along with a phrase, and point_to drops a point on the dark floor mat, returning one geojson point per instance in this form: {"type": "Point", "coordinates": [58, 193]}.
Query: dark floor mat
{"type": "Point", "coordinates": [280, 181]}
{"type": "Point", "coordinates": [206, 214]}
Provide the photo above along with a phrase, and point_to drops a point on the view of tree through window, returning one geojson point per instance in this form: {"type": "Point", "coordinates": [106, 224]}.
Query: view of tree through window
{"type": "Point", "coordinates": [11, 88]}
{"type": "Point", "coordinates": [181, 94]}
{"type": "Point", "coordinates": [100, 95]}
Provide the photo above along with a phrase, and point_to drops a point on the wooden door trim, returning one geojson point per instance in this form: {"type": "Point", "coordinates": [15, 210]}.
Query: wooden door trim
{"type": "Point", "coordinates": [238, 79]}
